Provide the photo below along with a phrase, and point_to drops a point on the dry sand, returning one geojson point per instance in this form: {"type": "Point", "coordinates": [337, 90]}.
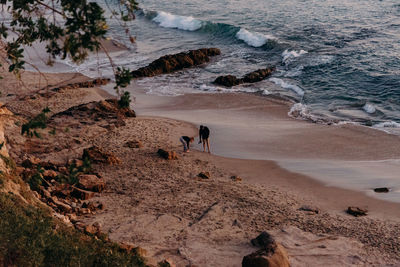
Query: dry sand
{"type": "Point", "coordinates": [163, 207]}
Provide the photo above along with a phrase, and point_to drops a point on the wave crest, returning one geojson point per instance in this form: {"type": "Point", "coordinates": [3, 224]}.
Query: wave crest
{"type": "Point", "coordinates": [168, 20]}
{"type": "Point", "coordinates": [288, 55]}
{"type": "Point", "coordinates": [287, 85]}
{"type": "Point", "coordinates": [254, 39]}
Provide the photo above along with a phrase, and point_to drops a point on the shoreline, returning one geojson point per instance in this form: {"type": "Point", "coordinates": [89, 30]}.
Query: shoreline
{"type": "Point", "coordinates": [375, 150]}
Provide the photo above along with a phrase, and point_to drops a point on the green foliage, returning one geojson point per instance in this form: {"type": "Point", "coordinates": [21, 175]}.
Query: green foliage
{"type": "Point", "coordinates": [40, 121]}
{"type": "Point", "coordinates": [74, 171]}
{"type": "Point", "coordinates": [123, 77]}
{"type": "Point", "coordinates": [36, 180]}
{"type": "Point", "coordinates": [67, 28]}
{"type": "Point", "coordinates": [125, 100]}
{"type": "Point", "coordinates": [30, 237]}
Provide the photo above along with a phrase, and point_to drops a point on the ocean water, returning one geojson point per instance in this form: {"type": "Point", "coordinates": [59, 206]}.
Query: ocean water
{"type": "Point", "coordinates": [339, 60]}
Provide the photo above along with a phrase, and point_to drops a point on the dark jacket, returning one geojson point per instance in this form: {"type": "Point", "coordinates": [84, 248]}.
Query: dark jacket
{"type": "Point", "coordinates": [187, 140]}
{"type": "Point", "coordinates": [204, 132]}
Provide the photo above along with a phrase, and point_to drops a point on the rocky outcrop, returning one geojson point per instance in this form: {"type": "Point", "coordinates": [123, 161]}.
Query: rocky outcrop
{"type": "Point", "coordinates": [85, 84]}
{"type": "Point", "coordinates": [169, 155]}
{"type": "Point", "coordinates": [96, 111]}
{"type": "Point", "coordinates": [176, 62]}
{"type": "Point", "coordinates": [252, 77]}
{"type": "Point", "coordinates": [51, 90]}
{"type": "Point", "coordinates": [91, 182]}
{"type": "Point", "coordinates": [270, 254]}
{"type": "Point", "coordinates": [98, 155]}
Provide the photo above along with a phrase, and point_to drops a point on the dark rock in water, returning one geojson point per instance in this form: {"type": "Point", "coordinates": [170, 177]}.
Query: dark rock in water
{"type": "Point", "coordinates": [257, 75]}
{"type": "Point", "coordinates": [271, 253]}
{"type": "Point", "coordinates": [381, 190]}
{"type": "Point", "coordinates": [356, 211]}
{"type": "Point", "coordinates": [172, 63]}
{"type": "Point", "coordinates": [228, 80]}
{"type": "Point", "coordinates": [252, 77]}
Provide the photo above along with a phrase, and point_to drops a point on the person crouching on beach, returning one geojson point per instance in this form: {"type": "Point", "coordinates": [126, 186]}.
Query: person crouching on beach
{"type": "Point", "coordinates": [204, 134]}
{"type": "Point", "coordinates": [186, 140]}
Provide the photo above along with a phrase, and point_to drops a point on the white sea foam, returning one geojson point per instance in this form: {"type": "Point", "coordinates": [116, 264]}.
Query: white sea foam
{"type": "Point", "coordinates": [319, 60]}
{"type": "Point", "coordinates": [299, 110]}
{"type": "Point", "coordinates": [369, 108]}
{"type": "Point", "coordinates": [288, 55]}
{"type": "Point", "coordinates": [387, 124]}
{"type": "Point", "coordinates": [168, 20]}
{"type": "Point", "coordinates": [287, 85]}
{"type": "Point", "coordinates": [265, 92]}
{"type": "Point", "coordinates": [254, 39]}
{"type": "Point", "coordinates": [210, 88]}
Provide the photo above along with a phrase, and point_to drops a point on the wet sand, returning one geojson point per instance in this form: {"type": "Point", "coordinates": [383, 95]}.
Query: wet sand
{"type": "Point", "coordinates": [255, 127]}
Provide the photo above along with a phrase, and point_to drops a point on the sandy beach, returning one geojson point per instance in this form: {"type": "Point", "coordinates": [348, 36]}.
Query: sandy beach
{"type": "Point", "coordinates": [163, 207]}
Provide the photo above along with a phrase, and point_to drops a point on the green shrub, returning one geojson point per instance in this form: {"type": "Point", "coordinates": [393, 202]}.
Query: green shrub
{"type": "Point", "coordinates": [30, 237]}
{"type": "Point", "coordinates": [38, 122]}
{"type": "Point", "coordinates": [125, 100]}
{"type": "Point", "coordinates": [36, 180]}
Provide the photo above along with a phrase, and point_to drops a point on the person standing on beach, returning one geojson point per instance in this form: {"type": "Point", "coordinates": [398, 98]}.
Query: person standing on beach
{"type": "Point", "coordinates": [186, 140]}
{"type": "Point", "coordinates": [204, 134]}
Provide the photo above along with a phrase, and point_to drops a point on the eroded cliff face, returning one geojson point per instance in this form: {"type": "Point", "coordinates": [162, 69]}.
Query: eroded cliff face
{"type": "Point", "coordinates": [10, 182]}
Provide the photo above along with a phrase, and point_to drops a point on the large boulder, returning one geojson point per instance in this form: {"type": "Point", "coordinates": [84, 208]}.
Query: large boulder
{"type": "Point", "coordinates": [91, 182]}
{"type": "Point", "coordinates": [270, 254]}
{"type": "Point", "coordinates": [175, 62]}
